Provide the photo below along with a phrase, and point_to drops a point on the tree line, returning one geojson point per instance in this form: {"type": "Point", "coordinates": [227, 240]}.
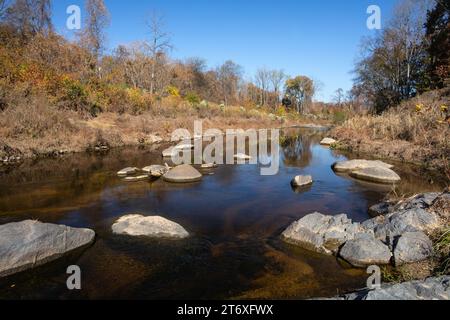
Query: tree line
{"type": "Point", "coordinates": [145, 66]}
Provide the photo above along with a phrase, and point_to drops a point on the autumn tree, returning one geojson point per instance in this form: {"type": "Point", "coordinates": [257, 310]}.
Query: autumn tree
{"type": "Point", "coordinates": [300, 90]}
{"type": "Point", "coordinates": [97, 20]}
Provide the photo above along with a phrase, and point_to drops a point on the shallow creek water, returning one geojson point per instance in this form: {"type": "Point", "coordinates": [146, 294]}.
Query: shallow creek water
{"type": "Point", "coordinates": [235, 217]}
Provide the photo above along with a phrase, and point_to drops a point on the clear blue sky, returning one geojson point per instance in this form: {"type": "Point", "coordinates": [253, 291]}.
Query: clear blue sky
{"type": "Point", "coordinates": [317, 38]}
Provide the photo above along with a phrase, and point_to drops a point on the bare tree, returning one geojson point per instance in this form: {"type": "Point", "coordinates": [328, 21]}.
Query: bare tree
{"type": "Point", "coordinates": [4, 5]}
{"type": "Point", "coordinates": [158, 45]}
{"type": "Point", "coordinates": [28, 16]}
{"type": "Point", "coordinates": [339, 96]}
{"type": "Point", "coordinates": [97, 19]}
{"type": "Point", "coordinates": [229, 76]}
{"type": "Point", "coordinates": [262, 79]}
{"type": "Point", "coordinates": [277, 78]}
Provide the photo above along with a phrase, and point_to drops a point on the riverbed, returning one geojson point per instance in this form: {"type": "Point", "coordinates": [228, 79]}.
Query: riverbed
{"type": "Point", "coordinates": [235, 217]}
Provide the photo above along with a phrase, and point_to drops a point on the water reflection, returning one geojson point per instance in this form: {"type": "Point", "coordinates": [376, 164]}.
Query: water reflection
{"type": "Point", "coordinates": [235, 216]}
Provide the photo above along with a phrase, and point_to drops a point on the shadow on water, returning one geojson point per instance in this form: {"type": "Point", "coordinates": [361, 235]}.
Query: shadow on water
{"type": "Point", "coordinates": [235, 217]}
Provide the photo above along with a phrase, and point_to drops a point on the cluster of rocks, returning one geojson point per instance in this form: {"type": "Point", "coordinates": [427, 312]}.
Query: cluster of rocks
{"type": "Point", "coordinates": [368, 170]}
{"type": "Point", "coordinates": [398, 237]}
{"type": "Point", "coordinates": [180, 174]}
{"type": "Point", "coordinates": [10, 160]}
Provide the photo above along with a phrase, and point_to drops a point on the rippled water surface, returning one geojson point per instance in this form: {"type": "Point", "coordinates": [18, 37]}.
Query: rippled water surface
{"type": "Point", "coordinates": [235, 216]}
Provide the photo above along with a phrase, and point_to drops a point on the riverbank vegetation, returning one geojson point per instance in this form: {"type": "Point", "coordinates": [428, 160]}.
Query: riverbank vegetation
{"type": "Point", "coordinates": [403, 79]}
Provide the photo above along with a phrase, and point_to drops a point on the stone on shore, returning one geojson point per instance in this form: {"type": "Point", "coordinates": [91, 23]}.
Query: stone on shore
{"type": "Point", "coordinates": [412, 247]}
{"type": "Point", "coordinates": [127, 171]}
{"type": "Point", "coordinates": [183, 174]}
{"type": "Point", "coordinates": [29, 244]}
{"type": "Point", "coordinates": [354, 165]}
{"type": "Point", "coordinates": [328, 141]}
{"type": "Point", "coordinates": [323, 234]}
{"type": "Point", "coordinates": [399, 222]}
{"type": "Point", "coordinates": [430, 289]}
{"type": "Point", "coordinates": [365, 251]}
{"type": "Point", "coordinates": [301, 181]}
{"type": "Point", "coordinates": [376, 174]}
{"type": "Point", "coordinates": [154, 226]}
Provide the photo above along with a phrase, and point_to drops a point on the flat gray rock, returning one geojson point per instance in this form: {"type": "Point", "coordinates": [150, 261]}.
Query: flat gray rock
{"type": "Point", "coordinates": [365, 252]}
{"type": "Point", "coordinates": [323, 234]}
{"type": "Point", "coordinates": [376, 174]}
{"type": "Point", "coordinates": [301, 181]}
{"type": "Point", "coordinates": [127, 171]}
{"type": "Point", "coordinates": [358, 164]}
{"type": "Point", "coordinates": [183, 174]}
{"type": "Point", "coordinates": [412, 247]}
{"type": "Point", "coordinates": [28, 244]}
{"type": "Point", "coordinates": [155, 227]}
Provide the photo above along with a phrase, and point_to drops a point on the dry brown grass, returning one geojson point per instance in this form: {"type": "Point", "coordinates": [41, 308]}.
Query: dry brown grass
{"type": "Point", "coordinates": [35, 127]}
{"type": "Point", "coordinates": [416, 131]}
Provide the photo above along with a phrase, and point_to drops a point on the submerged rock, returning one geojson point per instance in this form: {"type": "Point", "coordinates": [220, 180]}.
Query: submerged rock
{"type": "Point", "coordinates": [155, 226]}
{"type": "Point", "coordinates": [365, 251]}
{"type": "Point", "coordinates": [241, 156]}
{"type": "Point", "coordinates": [182, 174]}
{"type": "Point", "coordinates": [353, 165]}
{"type": "Point", "coordinates": [328, 141]}
{"type": "Point", "coordinates": [323, 234]}
{"type": "Point", "coordinates": [127, 171]}
{"type": "Point", "coordinates": [136, 178]}
{"type": "Point", "coordinates": [301, 181]}
{"type": "Point", "coordinates": [28, 244]}
{"type": "Point", "coordinates": [412, 247]}
{"type": "Point", "coordinates": [376, 174]}
{"type": "Point", "coordinates": [209, 166]}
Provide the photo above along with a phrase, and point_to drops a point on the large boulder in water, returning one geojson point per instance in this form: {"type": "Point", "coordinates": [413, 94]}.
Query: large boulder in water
{"type": "Point", "coordinates": [301, 181]}
{"type": "Point", "coordinates": [358, 164]}
{"type": "Point", "coordinates": [28, 244]}
{"type": "Point", "coordinates": [154, 226]}
{"type": "Point", "coordinates": [376, 174]}
{"type": "Point", "coordinates": [183, 174]}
